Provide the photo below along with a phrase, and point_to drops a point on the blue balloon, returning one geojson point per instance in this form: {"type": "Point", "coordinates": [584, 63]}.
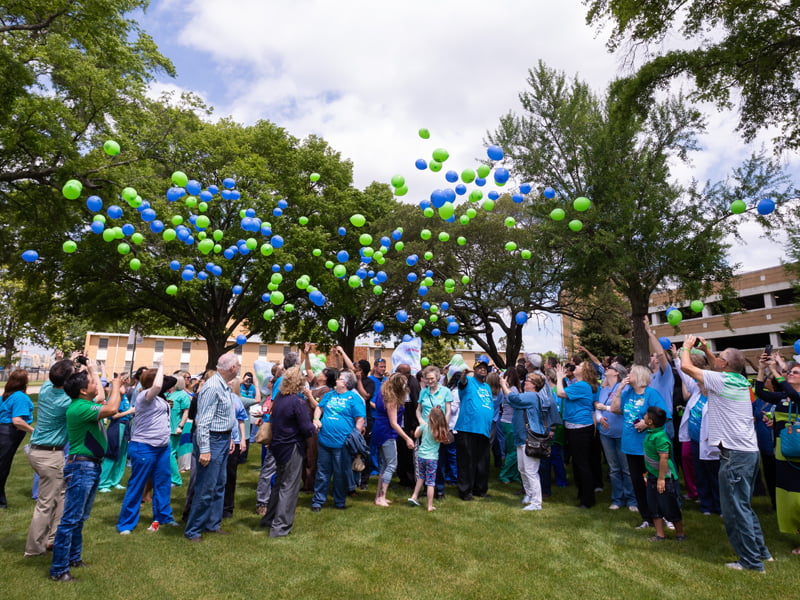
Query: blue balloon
{"type": "Point", "coordinates": [148, 214]}
{"type": "Point", "coordinates": [283, 204]}
{"type": "Point", "coordinates": [193, 187]}
{"type": "Point", "coordinates": [226, 195]}
{"type": "Point", "coordinates": [452, 327]}
{"type": "Point", "coordinates": [30, 256]}
{"type": "Point", "coordinates": [202, 275]}
{"type": "Point", "coordinates": [412, 259]}
{"type": "Point", "coordinates": [341, 231]}
{"type": "Point", "coordinates": [664, 341]}
{"type": "Point", "coordinates": [342, 256]}
{"type": "Point", "coordinates": [765, 206]}
{"type": "Point", "coordinates": [156, 226]}
{"type": "Point", "coordinates": [128, 229]}
{"type": "Point", "coordinates": [438, 198]}
{"type": "Point", "coordinates": [142, 206]}
{"type": "Point", "coordinates": [425, 305]}
{"type": "Point", "coordinates": [317, 298]}
{"type": "Point", "coordinates": [228, 183]}
{"type": "Point", "coordinates": [187, 275]}
{"type": "Point", "coordinates": [435, 332]}
{"type": "Point", "coordinates": [521, 317]}
{"type": "Point", "coordinates": [525, 188]}
{"type": "Point", "coordinates": [407, 338]}
{"type": "Point", "coordinates": [175, 265]}
{"type": "Point", "coordinates": [445, 305]}
{"type": "Point", "coordinates": [385, 241]}
{"type": "Point", "coordinates": [277, 212]}
{"type": "Point", "coordinates": [237, 289]}
{"type": "Point", "coordinates": [401, 316]}
{"type": "Point", "coordinates": [229, 253]}
{"type": "Point", "coordinates": [494, 152]}
{"type": "Point", "coordinates": [206, 196]}
{"type": "Point", "coordinates": [244, 250]}
{"type": "Point", "coordinates": [428, 273]}
{"type": "Point", "coordinates": [412, 277]}
{"type": "Point", "coordinates": [451, 176]}
{"type": "Point", "coordinates": [549, 193]}
{"type": "Point", "coordinates": [276, 268]}
{"type": "Point", "coordinates": [114, 212]}
{"type": "Point", "coordinates": [797, 347]}
{"type": "Point", "coordinates": [250, 212]}
{"type": "Point", "coordinates": [501, 175]}
{"type": "Point", "coordinates": [518, 198]}
{"type": "Point", "coordinates": [421, 164]}
{"type": "Point", "coordinates": [461, 189]}
{"type": "Point", "coordinates": [241, 340]}
{"type": "Point", "coordinates": [288, 267]}
{"type": "Point", "coordinates": [423, 204]}
{"type": "Point", "coordinates": [449, 194]}
{"type": "Point", "coordinates": [189, 267]}
{"type": "Point", "coordinates": [97, 227]}
{"type": "Point", "coordinates": [377, 327]}
{"type": "Point", "coordinates": [265, 297]}
{"type": "Point", "coordinates": [235, 195]}
{"type": "Point", "coordinates": [276, 241]}
{"type": "Point", "coordinates": [423, 290]}
{"type": "Point", "coordinates": [361, 273]}
{"type": "Point", "coordinates": [397, 234]}
{"type": "Point", "coordinates": [266, 230]}
{"type": "Point", "coordinates": [217, 270]}
{"type": "Point", "coordinates": [493, 195]}
{"type": "Point", "coordinates": [175, 193]}
{"type": "Point", "coordinates": [213, 189]}
{"type": "Point", "coordinates": [94, 203]}
{"type": "Point", "coordinates": [480, 181]}
{"type": "Point", "coordinates": [381, 276]}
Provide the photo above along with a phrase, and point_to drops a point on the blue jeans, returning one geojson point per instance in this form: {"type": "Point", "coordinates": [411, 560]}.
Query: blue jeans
{"type": "Point", "coordinates": [388, 460]}
{"type": "Point", "coordinates": [556, 464]}
{"type": "Point", "coordinates": [81, 480]}
{"type": "Point", "coordinates": [336, 463]}
{"type": "Point", "coordinates": [209, 487]}
{"type": "Point", "coordinates": [706, 480]}
{"type": "Point", "coordinates": [147, 462]}
{"type": "Point", "coordinates": [621, 486]}
{"type": "Point", "coordinates": [737, 477]}
{"type": "Point", "coordinates": [447, 470]}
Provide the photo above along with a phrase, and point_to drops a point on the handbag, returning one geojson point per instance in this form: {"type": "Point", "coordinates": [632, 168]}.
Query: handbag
{"type": "Point", "coordinates": [264, 433]}
{"type": "Point", "coordinates": [790, 434]}
{"type": "Point", "coordinates": [537, 445]}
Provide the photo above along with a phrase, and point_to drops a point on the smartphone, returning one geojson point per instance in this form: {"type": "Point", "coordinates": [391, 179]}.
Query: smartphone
{"type": "Point", "coordinates": [768, 349]}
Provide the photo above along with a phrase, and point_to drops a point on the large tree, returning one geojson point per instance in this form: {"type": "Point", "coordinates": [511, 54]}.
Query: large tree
{"type": "Point", "coordinates": [737, 54]}
{"type": "Point", "coordinates": [644, 231]}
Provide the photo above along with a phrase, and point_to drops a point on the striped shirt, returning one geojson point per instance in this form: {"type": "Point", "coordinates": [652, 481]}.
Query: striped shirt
{"type": "Point", "coordinates": [215, 411]}
{"type": "Point", "coordinates": [730, 412]}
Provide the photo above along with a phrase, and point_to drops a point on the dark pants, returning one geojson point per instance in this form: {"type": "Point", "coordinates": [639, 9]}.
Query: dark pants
{"type": "Point", "coordinates": [706, 479]}
{"type": "Point", "coordinates": [472, 456]}
{"type": "Point", "coordinates": [283, 500]}
{"type": "Point", "coordinates": [580, 443]}
{"type": "Point", "coordinates": [637, 470]}
{"type": "Point", "coordinates": [230, 481]}
{"type": "Point", "coordinates": [447, 469]}
{"type": "Point", "coordinates": [10, 439]}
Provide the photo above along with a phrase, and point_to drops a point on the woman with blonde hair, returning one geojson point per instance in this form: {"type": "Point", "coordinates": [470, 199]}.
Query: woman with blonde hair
{"type": "Point", "coordinates": [631, 400]}
{"type": "Point", "coordinates": [386, 427]}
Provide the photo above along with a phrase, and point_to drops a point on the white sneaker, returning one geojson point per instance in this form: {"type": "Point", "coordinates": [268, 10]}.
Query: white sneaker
{"type": "Point", "coordinates": [633, 508]}
{"type": "Point", "coordinates": [614, 507]}
{"type": "Point", "coordinates": [644, 525]}
{"type": "Point", "coordinates": [735, 566]}
{"type": "Point", "coordinates": [526, 499]}
{"type": "Point", "coordinates": [531, 507]}
{"type": "Point", "coordinates": [125, 532]}
{"type": "Point", "coordinates": [669, 525]}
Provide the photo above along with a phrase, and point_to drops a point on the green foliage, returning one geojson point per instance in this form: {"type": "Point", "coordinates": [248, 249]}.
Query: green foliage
{"type": "Point", "coordinates": [740, 54]}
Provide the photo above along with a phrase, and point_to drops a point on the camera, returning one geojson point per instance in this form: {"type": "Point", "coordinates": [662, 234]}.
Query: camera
{"type": "Point", "coordinates": [82, 360]}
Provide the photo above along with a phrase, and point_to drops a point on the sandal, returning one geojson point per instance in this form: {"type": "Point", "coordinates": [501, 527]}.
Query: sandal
{"type": "Point", "coordinates": [656, 538]}
{"type": "Point", "coordinates": [680, 538]}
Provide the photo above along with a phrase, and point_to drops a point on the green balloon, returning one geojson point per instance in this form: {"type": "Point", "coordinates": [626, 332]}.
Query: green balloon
{"type": "Point", "coordinates": [575, 225]}
{"type": "Point", "coordinates": [303, 220]}
{"type": "Point", "coordinates": [217, 248]}
{"type": "Point", "coordinates": [377, 290]}
{"type": "Point", "coordinates": [190, 202]}
{"type": "Point", "coordinates": [266, 249]}
{"type": "Point", "coordinates": [203, 222]}
{"type": "Point", "coordinates": [288, 307]}
{"type": "Point", "coordinates": [333, 325]}
{"type": "Point", "coordinates": [444, 236]}
{"type": "Point", "coordinates": [449, 283]}
{"type": "Point", "coordinates": [488, 205]}
{"type": "Point", "coordinates": [428, 255]}
{"type": "Point", "coordinates": [368, 251]}
{"type": "Point", "coordinates": [111, 147]}
{"type": "Point", "coordinates": [276, 278]}
{"type": "Point", "coordinates": [377, 255]}
{"type": "Point", "coordinates": [179, 178]}
{"type": "Point", "coordinates": [205, 246]}
{"type": "Point", "coordinates": [433, 318]}
{"type": "Point", "coordinates": [314, 177]}
{"type": "Point", "coordinates": [169, 234]}
{"type": "Point", "coordinates": [401, 191]}
{"type": "Point", "coordinates": [467, 175]}
{"type": "Point", "coordinates": [464, 219]}
{"type": "Point", "coordinates": [424, 361]}
{"type": "Point", "coordinates": [379, 259]}
{"type": "Point", "coordinates": [72, 189]}
{"type": "Point", "coordinates": [129, 194]}
{"type": "Point", "coordinates": [101, 218]}
{"type": "Point", "coordinates": [123, 248]}
{"type": "Point", "coordinates": [424, 133]}
{"type": "Point", "coordinates": [428, 281]}
{"type": "Point", "coordinates": [425, 234]}
{"type": "Point", "coordinates": [510, 221]}
{"type": "Point", "coordinates": [339, 271]}
{"type": "Point", "coordinates": [511, 246]}
{"type": "Point", "coordinates": [172, 290]}
{"type": "Point", "coordinates": [316, 252]}
{"type": "Point", "coordinates": [251, 244]}
{"type": "Point", "coordinates": [581, 204]}
{"type": "Point", "coordinates": [399, 246]}
{"type": "Point", "coordinates": [276, 298]}
{"type": "Point", "coordinates": [446, 210]}
{"type": "Point", "coordinates": [202, 207]}
{"type": "Point", "coordinates": [737, 208]}
{"type": "Point", "coordinates": [557, 214]}
{"type": "Point", "coordinates": [465, 279]}
{"type": "Point", "coordinates": [176, 220]}
{"type": "Point", "coordinates": [435, 166]}
{"type": "Point", "coordinates": [137, 238]}
{"type": "Point", "coordinates": [242, 213]}
{"type": "Point", "coordinates": [696, 306]}
{"type": "Point", "coordinates": [109, 235]}
{"type": "Point", "coordinates": [135, 264]}
{"type": "Point", "coordinates": [358, 220]}
{"type": "Point", "coordinates": [475, 195]}
{"type": "Point", "coordinates": [526, 254]}
{"type": "Point", "coordinates": [118, 235]}
{"type": "Point", "coordinates": [461, 241]}
{"type": "Point", "coordinates": [301, 283]}
{"type": "Point", "coordinates": [417, 328]}
{"type": "Point", "coordinates": [365, 239]}
{"type": "Point", "coordinates": [440, 155]}
{"type": "Point", "coordinates": [434, 308]}
{"type": "Point", "coordinates": [218, 235]}
{"type": "Point", "coordinates": [471, 213]}
{"type": "Point", "coordinates": [428, 212]}
{"type": "Point", "coordinates": [354, 281]}
{"type": "Point", "coordinates": [328, 264]}
{"type": "Point", "coordinates": [69, 246]}
{"type": "Point", "coordinates": [674, 317]}
{"type": "Point", "coordinates": [269, 314]}
{"type": "Point", "coordinates": [398, 181]}
{"type": "Point", "coordinates": [272, 286]}
{"type": "Point", "coordinates": [483, 171]}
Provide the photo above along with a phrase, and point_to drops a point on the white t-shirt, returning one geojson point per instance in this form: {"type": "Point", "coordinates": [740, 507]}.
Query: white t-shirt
{"type": "Point", "coordinates": [730, 412]}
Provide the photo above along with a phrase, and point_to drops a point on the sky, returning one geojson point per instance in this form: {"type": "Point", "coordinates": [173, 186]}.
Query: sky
{"type": "Point", "coordinates": [366, 76]}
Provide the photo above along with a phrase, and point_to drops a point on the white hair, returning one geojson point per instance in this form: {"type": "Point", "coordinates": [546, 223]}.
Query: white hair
{"type": "Point", "coordinates": [227, 361]}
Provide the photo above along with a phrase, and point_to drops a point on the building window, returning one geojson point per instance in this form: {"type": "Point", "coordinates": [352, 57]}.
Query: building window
{"type": "Point", "coordinates": [237, 350]}
{"type": "Point", "coordinates": [262, 352]}
{"type": "Point", "coordinates": [158, 352]}
{"type": "Point", "coordinates": [286, 349]}
{"type": "Point", "coordinates": [376, 354]}
{"type": "Point", "coordinates": [752, 302]}
{"type": "Point", "coordinates": [784, 297]}
{"type": "Point", "coordinates": [102, 349]}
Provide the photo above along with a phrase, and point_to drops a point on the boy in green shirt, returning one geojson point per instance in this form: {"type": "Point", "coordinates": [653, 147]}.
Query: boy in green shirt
{"type": "Point", "coordinates": [662, 477]}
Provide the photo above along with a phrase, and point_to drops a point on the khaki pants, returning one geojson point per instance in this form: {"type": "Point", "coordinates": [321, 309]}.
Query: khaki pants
{"type": "Point", "coordinates": [47, 514]}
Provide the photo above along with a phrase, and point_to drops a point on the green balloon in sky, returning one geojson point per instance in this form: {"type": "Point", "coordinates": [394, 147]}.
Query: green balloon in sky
{"type": "Point", "coordinates": [575, 225]}
{"type": "Point", "coordinates": [69, 246]}
{"type": "Point", "coordinates": [435, 166]}
{"type": "Point", "coordinates": [737, 208]}
{"type": "Point", "coordinates": [424, 133]}
{"type": "Point", "coordinates": [365, 239]}
{"type": "Point", "coordinates": [696, 306]}
{"type": "Point", "coordinates": [425, 234]}
{"type": "Point", "coordinates": [314, 177]}
{"type": "Point", "coordinates": [333, 325]}
{"type": "Point", "coordinates": [483, 171]}
{"type": "Point", "coordinates": [111, 147]}
{"type": "Point", "coordinates": [172, 290]}
{"type": "Point", "coordinates": [581, 204]}
{"type": "Point", "coordinates": [467, 175]}
{"type": "Point", "coordinates": [398, 181]}
{"type": "Point", "coordinates": [461, 240]}
{"type": "Point", "coordinates": [135, 264]}
{"type": "Point", "coordinates": [179, 178]}
{"type": "Point", "coordinates": [488, 205]}
{"type": "Point", "coordinates": [557, 214]}
{"type": "Point", "coordinates": [446, 210]}
{"type": "Point", "coordinates": [440, 155]}
{"type": "Point", "coordinates": [358, 220]}
{"type": "Point", "coordinates": [428, 212]}
{"type": "Point", "coordinates": [276, 298]}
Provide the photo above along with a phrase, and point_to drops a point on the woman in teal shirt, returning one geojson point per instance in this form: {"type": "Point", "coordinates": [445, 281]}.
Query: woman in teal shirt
{"type": "Point", "coordinates": [16, 416]}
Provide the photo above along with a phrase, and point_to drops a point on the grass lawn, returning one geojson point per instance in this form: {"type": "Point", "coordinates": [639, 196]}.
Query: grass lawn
{"type": "Point", "coordinates": [484, 549]}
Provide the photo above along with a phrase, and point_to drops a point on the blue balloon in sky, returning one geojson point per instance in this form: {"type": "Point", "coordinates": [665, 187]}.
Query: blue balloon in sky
{"type": "Point", "coordinates": [277, 212]}
{"type": "Point", "coordinates": [412, 277]}
{"type": "Point", "coordinates": [187, 275]}
{"type": "Point", "coordinates": [193, 187]}
{"type": "Point", "coordinates": [206, 196]}
{"type": "Point", "coordinates": [97, 227]}
{"type": "Point", "coordinates": [480, 181]}
{"type": "Point", "coordinates": [451, 176]}
{"type": "Point", "coordinates": [283, 204]}
{"type": "Point", "coordinates": [493, 195]}
{"type": "Point", "coordinates": [407, 338]}
{"type": "Point", "coordinates": [435, 332]}
{"type": "Point", "coordinates": [377, 327]}
{"type": "Point", "coordinates": [461, 189]}
{"type": "Point", "coordinates": [397, 234]}
{"type": "Point", "coordinates": [401, 316]}
{"type": "Point", "coordinates": [202, 275]}
{"type": "Point", "coordinates": [229, 183]}
{"type": "Point", "coordinates": [411, 259]}
{"type": "Point", "coordinates": [494, 152]}
{"type": "Point", "coordinates": [797, 347]}
{"type": "Point", "coordinates": [213, 189]}
{"type": "Point", "coordinates": [156, 226]}
{"type": "Point", "coordinates": [452, 327]}
{"type": "Point", "coordinates": [94, 203]}
{"type": "Point", "coordinates": [237, 289]}
{"type": "Point", "coordinates": [276, 241]}
{"type": "Point", "coordinates": [229, 253]}
{"type": "Point", "coordinates": [148, 214]}
{"type": "Point", "coordinates": [342, 231]}
{"type": "Point", "coordinates": [175, 193]}
{"type": "Point", "coordinates": [765, 206]}
{"type": "Point", "coordinates": [342, 256]}
{"type": "Point", "coordinates": [501, 175]}
{"type": "Point", "coordinates": [525, 188]}
{"type": "Point", "coordinates": [175, 265]}
{"type": "Point", "coordinates": [518, 198]}
{"type": "Point", "coordinates": [549, 193]}
{"type": "Point", "coordinates": [521, 317]}
{"type": "Point", "coordinates": [128, 229]}
{"type": "Point", "coordinates": [30, 256]}
{"type": "Point", "coordinates": [241, 340]}
{"type": "Point", "coordinates": [425, 305]}
{"type": "Point", "coordinates": [114, 212]}
{"type": "Point", "coordinates": [423, 290]}
{"type": "Point", "coordinates": [421, 164]}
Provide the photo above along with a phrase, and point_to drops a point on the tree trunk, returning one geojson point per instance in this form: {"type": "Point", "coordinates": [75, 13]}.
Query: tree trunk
{"type": "Point", "coordinates": [216, 348]}
{"type": "Point", "coordinates": [641, 341]}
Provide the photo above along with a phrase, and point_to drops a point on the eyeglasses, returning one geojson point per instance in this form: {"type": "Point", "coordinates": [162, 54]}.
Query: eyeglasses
{"type": "Point", "coordinates": [794, 372]}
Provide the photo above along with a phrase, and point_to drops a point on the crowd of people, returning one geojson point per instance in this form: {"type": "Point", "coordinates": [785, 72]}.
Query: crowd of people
{"type": "Point", "coordinates": [689, 412]}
